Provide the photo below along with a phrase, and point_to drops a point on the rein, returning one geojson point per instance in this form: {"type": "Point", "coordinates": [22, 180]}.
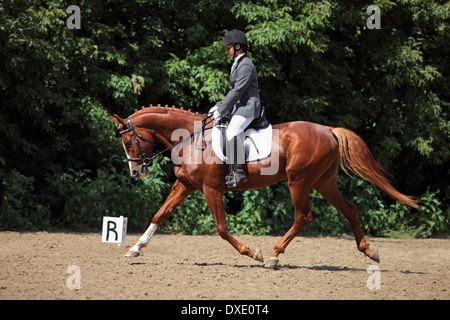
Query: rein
{"type": "Point", "coordinates": [147, 161]}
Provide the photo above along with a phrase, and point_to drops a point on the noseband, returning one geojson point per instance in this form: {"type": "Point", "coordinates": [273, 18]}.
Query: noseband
{"type": "Point", "coordinates": [145, 161]}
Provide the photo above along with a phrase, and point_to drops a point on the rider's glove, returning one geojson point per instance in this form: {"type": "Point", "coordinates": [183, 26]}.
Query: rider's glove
{"type": "Point", "coordinates": [216, 115]}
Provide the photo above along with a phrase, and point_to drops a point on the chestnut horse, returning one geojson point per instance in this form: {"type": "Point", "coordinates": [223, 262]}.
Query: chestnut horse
{"type": "Point", "coordinates": [304, 153]}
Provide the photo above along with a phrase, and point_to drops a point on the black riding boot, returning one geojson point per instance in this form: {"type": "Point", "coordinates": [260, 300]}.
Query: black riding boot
{"type": "Point", "coordinates": [236, 175]}
{"type": "Point", "coordinates": [236, 163]}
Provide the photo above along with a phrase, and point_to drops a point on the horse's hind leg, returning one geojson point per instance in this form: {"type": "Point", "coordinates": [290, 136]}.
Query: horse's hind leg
{"type": "Point", "coordinates": [327, 187]}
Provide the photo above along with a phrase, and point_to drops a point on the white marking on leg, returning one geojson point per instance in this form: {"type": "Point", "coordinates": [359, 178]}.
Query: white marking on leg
{"type": "Point", "coordinates": [145, 238]}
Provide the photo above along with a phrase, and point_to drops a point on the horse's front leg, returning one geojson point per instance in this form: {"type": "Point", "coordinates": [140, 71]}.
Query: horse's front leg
{"type": "Point", "coordinates": [177, 195]}
{"type": "Point", "coordinates": [214, 200]}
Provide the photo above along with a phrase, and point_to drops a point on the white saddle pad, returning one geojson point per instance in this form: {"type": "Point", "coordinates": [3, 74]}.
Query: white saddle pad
{"type": "Point", "coordinates": [260, 143]}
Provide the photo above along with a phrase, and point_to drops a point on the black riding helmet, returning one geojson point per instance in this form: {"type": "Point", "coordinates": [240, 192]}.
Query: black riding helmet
{"type": "Point", "coordinates": [236, 37]}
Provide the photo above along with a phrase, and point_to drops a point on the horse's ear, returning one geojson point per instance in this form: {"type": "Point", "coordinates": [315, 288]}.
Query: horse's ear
{"type": "Point", "coordinates": [118, 120]}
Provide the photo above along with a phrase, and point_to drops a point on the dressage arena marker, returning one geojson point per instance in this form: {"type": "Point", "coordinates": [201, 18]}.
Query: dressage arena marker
{"type": "Point", "coordinates": [114, 229]}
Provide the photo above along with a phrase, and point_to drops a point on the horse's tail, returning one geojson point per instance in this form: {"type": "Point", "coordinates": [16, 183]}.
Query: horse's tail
{"type": "Point", "coordinates": [356, 157]}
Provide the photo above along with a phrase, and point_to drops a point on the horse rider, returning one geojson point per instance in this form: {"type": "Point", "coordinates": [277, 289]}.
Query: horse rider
{"type": "Point", "coordinates": [242, 102]}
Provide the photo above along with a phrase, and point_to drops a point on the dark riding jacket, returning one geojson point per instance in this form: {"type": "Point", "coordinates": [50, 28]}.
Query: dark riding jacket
{"type": "Point", "coordinates": [243, 98]}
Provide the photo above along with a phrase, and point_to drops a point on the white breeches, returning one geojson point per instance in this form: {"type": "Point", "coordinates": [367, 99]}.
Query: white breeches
{"type": "Point", "coordinates": [237, 125]}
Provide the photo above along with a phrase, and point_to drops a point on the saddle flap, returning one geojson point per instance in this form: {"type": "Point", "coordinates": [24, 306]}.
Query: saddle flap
{"type": "Point", "coordinates": [257, 143]}
{"type": "Point", "coordinates": [258, 137]}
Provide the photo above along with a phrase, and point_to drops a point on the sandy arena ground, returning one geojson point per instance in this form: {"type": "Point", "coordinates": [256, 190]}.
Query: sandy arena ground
{"type": "Point", "coordinates": [34, 266]}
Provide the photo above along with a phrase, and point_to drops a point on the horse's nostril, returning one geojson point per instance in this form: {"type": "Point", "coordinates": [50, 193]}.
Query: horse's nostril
{"type": "Point", "coordinates": [134, 173]}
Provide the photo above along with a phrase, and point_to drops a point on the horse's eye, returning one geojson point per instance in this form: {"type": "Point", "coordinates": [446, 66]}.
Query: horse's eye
{"type": "Point", "coordinates": [128, 143]}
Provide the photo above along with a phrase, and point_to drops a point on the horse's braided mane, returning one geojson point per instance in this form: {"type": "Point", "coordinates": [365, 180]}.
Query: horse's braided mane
{"type": "Point", "coordinates": [165, 108]}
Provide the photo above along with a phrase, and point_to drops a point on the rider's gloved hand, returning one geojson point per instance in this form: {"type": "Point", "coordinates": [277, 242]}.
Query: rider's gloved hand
{"type": "Point", "coordinates": [216, 115]}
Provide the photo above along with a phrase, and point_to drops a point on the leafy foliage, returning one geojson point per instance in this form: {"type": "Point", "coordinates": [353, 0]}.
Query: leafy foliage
{"type": "Point", "coordinates": [20, 207]}
{"type": "Point", "coordinates": [108, 193]}
{"type": "Point", "coordinates": [60, 163]}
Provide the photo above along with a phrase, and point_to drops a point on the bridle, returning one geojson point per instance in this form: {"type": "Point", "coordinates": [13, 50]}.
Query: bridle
{"type": "Point", "coordinates": [147, 161]}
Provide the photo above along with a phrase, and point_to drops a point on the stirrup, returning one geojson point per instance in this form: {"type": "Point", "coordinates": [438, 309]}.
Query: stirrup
{"type": "Point", "coordinates": [234, 178]}
{"type": "Point", "coordinates": [231, 183]}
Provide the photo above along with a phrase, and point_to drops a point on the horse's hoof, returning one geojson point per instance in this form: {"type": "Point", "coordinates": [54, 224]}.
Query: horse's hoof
{"type": "Point", "coordinates": [272, 263]}
{"type": "Point", "coordinates": [132, 254]}
{"type": "Point", "coordinates": [258, 255]}
{"type": "Point", "coordinates": [375, 256]}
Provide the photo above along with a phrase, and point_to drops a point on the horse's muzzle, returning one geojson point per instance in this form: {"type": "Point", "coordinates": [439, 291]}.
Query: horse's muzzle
{"type": "Point", "coordinates": [135, 174]}
{"type": "Point", "coordinates": [139, 172]}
